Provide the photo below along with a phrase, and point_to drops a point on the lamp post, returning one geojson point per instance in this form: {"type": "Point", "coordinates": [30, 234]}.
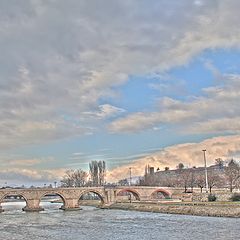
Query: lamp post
{"type": "Point", "coordinates": [205, 166]}
{"type": "Point", "coordinates": [130, 176]}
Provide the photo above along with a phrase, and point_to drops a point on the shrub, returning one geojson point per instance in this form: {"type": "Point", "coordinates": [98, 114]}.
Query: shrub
{"type": "Point", "coordinates": [212, 198]}
{"type": "Point", "coordinates": [235, 197]}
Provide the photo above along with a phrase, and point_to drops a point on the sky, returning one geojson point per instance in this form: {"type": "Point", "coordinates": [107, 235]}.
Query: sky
{"type": "Point", "coordinates": [130, 82]}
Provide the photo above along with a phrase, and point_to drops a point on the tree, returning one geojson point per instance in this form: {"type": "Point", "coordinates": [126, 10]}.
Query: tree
{"type": "Point", "coordinates": [67, 180]}
{"type": "Point", "coordinates": [180, 166]}
{"type": "Point", "coordinates": [219, 162]}
{"type": "Point", "coordinates": [200, 181]}
{"type": "Point", "coordinates": [123, 182]}
{"type": "Point", "coordinates": [93, 168]}
{"type": "Point", "coordinates": [184, 178]}
{"type": "Point", "coordinates": [192, 178]}
{"type": "Point", "coordinates": [166, 168]}
{"type": "Point", "coordinates": [97, 171]}
{"type": "Point", "coordinates": [74, 178]}
{"type": "Point", "coordinates": [169, 181]}
{"type": "Point", "coordinates": [232, 172]}
{"type": "Point", "coordinates": [213, 180]}
{"type": "Point", "coordinates": [80, 178]}
{"type": "Point", "coordinates": [102, 172]}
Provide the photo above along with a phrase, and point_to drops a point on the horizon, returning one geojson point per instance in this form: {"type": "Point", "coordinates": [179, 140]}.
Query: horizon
{"type": "Point", "coordinates": [128, 82]}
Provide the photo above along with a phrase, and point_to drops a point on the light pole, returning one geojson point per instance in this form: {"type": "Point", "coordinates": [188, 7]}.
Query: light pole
{"type": "Point", "coordinates": [130, 176]}
{"type": "Point", "coordinates": [205, 166]}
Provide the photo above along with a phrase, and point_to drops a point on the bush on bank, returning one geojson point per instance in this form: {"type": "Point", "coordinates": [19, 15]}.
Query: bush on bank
{"type": "Point", "coordinates": [235, 197]}
{"type": "Point", "coordinates": [212, 198]}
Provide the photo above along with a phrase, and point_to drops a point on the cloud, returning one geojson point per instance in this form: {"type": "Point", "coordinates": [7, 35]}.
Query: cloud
{"type": "Point", "coordinates": [24, 162]}
{"type": "Point", "coordinates": [217, 111]}
{"type": "Point", "coordinates": [59, 59]}
{"type": "Point", "coordinates": [16, 176]}
{"type": "Point", "coordinates": [16, 170]}
{"type": "Point", "coordinates": [190, 154]}
{"type": "Point", "coordinates": [105, 111]}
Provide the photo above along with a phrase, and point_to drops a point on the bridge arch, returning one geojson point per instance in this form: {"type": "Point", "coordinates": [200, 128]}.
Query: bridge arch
{"type": "Point", "coordinates": [11, 194]}
{"type": "Point", "coordinates": [166, 194]}
{"type": "Point", "coordinates": [98, 193]}
{"type": "Point", "coordinates": [128, 190]}
{"type": "Point", "coordinates": [55, 193]}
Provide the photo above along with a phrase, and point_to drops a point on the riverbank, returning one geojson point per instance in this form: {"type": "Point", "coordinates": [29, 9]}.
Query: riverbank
{"type": "Point", "coordinates": [197, 209]}
{"type": "Point", "coordinates": [93, 203]}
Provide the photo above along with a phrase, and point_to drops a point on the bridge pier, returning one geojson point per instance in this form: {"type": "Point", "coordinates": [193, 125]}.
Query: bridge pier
{"type": "Point", "coordinates": [71, 204]}
{"type": "Point", "coordinates": [32, 205]}
{"type": "Point", "coordinates": [111, 196]}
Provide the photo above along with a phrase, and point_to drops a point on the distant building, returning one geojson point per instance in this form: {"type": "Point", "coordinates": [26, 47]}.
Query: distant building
{"type": "Point", "coordinates": [184, 177]}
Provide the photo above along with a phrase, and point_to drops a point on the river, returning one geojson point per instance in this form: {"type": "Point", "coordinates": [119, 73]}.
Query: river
{"type": "Point", "coordinates": [92, 223]}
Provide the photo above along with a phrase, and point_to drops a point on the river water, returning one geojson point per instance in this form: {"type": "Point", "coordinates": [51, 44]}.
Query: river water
{"type": "Point", "coordinates": [92, 223]}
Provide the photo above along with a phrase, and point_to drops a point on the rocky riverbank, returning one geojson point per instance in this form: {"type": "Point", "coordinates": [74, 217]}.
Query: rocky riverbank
{"type": "Point", "coordinates": [198, 209]}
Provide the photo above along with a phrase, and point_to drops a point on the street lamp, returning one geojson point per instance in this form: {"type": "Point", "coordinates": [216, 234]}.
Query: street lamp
{"type": "Point", "coordinates": [130, 176]}
{"type": "Point", "coordinates": [205, 166]}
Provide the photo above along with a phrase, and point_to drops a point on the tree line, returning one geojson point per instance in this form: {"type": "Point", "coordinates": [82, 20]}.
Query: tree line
{"type": "Point", "coordinates": [80, 178]}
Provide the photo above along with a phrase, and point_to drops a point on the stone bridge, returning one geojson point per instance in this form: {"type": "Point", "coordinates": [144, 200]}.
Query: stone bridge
{"type": "Point", "coordinates": [71, 196]}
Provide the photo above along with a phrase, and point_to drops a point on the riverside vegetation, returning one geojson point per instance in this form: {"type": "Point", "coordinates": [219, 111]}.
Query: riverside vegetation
{"type": "Point", "coordinates": [221, 209]}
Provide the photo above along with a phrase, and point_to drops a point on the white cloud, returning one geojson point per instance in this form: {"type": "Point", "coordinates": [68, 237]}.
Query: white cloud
{"type": "Point", "coordinates": [105, 111]}
{"type": "Point", "coordinates": [25, 170]}
{"type": "Point", "coordinates": [16, 176]}
{"type": "Point", "coordinates": [217, 111]}
{"type": "Point", "coordinates": [58, 59]}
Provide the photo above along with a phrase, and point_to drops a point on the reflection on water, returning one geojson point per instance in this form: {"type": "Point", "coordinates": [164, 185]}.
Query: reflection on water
{"type": "Point", "coordinates": [13, 206]}
{"type": "Point", "coordinates": [17, 206]}
{"type": "Point", "coordinates": [92, 223]}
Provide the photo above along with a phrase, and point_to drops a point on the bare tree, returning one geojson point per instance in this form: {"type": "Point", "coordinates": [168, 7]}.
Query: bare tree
{"type": "Point", "coordinates": [192, 178]}
{"type": "Point", "coordinates": [74, 178]}
{"type": "Point", "coordinates": [79, 177]}
{"type": "Point", "coordinates": [184, 178]}
{"type": "Point", "coordinates": [232, 172]}
{"type": "Point", "coordinates": [170, 181]}
{"type": "Point", "coordinates": [200, 181]}
{"type": "Point", "coordinates": [67, 180]}
{"type": "Point", "coordinates": [213, 180]}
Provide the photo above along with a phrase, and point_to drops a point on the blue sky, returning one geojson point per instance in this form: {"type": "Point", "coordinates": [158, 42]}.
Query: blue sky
{"type": "Point", "coordinates": [122, 86]}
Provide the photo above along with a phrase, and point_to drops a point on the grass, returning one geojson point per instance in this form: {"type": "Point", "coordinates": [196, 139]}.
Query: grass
{"type": "Point", "coordinates": [223, 203]}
